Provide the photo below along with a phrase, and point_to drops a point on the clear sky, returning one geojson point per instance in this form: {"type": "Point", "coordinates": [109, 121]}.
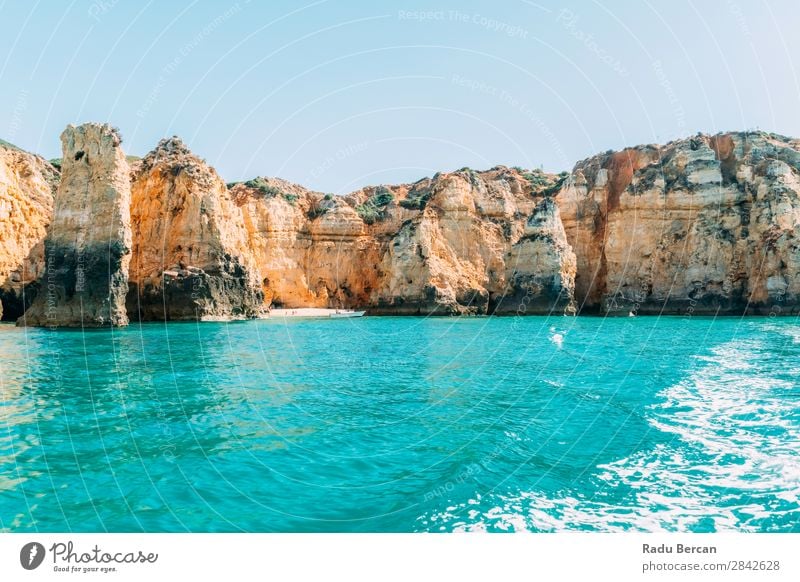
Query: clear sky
{"type": "Point", "coordinates": [340, 94]}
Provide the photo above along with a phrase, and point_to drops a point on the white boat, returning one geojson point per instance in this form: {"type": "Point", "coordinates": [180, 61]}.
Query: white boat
{"type": "Point", "coordinates": [346, 313]}
{"type": "Point", "coordinates": [314, 313]}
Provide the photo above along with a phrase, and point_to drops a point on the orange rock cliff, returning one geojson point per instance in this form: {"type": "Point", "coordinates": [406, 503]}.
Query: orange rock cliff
{"type": "Point", "coordinates": [707, 224]}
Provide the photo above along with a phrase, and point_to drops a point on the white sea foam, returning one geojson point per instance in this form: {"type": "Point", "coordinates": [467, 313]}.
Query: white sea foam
{"type": "Point", "coordinates": [734, 460]}
{"type": "Point", "coordinates": [557, 338]}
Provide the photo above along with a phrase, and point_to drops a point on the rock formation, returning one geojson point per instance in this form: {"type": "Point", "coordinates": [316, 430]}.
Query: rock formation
{"type": "Point", "coordinates": [87, 247]}
{"type": "Point", "coordinates": [541, 266]}
{"type": "Point", "coordinates": [465, 242]}
{"type": "Point", "coordinates": [190, 257]}
{"type": "Point", "coordinates": [702, 225]}
{"type": "Point", "coordinates": [27, 184]}
{"type": "Point", "coordinates": [483, 242]}
{"type": "Point", "coordinates": [709, 224]}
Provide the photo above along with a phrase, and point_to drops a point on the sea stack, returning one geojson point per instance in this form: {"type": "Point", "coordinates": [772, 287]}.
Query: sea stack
{"type": "Point", "coordinates": [540, 267]}
{"type": "Point", "coordinates": [87, 246]}
{"type": "Point", "coordinates": [191, 259]}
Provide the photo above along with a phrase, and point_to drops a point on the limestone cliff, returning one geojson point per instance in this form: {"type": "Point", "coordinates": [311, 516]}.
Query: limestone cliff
{"type": "Point", "coordinates": [87, 246]}
{"type": "Point", "coordinates": [27, 184]}
{"type": "Point", "coordinates": [701, 225]}
{"type": "Point", "coordinates": [709, 224]}
{"type": "Point", "coordinates": [190, 257]}
{"type": "Point", "coordinates": [482, 242]}
{"type": "Point", "coordinates": [464, 242]}
{"type": "Point", "coordinates": [309, 248]}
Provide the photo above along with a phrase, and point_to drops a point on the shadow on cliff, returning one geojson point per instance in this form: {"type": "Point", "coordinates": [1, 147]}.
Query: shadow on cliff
{"type": "Point", "coordinates": [15, 295]}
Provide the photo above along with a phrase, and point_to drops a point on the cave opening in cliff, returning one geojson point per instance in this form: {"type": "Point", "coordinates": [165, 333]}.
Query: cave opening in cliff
{"type": "Point", "coordinates": [13, 305]}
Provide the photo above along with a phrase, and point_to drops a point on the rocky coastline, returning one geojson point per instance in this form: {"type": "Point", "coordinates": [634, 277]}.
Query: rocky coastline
{"type": "Point", "coordinates": [704, 225]}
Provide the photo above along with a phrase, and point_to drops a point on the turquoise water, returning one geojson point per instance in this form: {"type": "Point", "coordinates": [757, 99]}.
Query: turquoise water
{"type": "Point", "coordinates": [403, 424]}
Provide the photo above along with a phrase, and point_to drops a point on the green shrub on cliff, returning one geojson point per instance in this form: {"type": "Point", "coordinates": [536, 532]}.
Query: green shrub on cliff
{"type": "Point", "coordinates": [541, 184]}
{"type": "Point", "coordinates": [115, 131]}
{"type": "Point", "coordinates": [316, 212]}
{"type": "Point", "coordinates": [536, 178]}
{"type": "Point", "coordinates": [416, 202]}
{"type": "Point", "coordinates": [316, 209]}
{"type": "Point", "coordinates": [557, 185]}
{"type": "Point", "coordinates": [375, 207]}
{"type": "Point", "coordinates": [263, 186]}
{"type": "Point", "coordinates": [9, 145]}
{"type": "Point", "coordinates": [368, 212]}
{"type": "Point", "coordinates": [382, 196]}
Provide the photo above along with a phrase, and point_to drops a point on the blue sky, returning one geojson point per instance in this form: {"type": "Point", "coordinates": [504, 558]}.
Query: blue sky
{"type": "Point", "coordinates": [340, 94]}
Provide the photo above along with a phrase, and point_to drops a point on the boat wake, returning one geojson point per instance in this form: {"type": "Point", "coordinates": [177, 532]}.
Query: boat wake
{"type": "Point", "coordinates": [728, 458]}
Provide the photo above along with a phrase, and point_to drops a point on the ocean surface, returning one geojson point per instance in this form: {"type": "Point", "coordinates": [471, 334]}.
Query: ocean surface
{"type": "Point", "coordinates": [403, 425]}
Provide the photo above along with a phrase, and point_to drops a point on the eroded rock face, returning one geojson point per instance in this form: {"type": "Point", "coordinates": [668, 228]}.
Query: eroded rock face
{"type": "Point", "coordinates": [701, 225]}
{"type": "Point", "coordinates": [87, 247]}
{"type": "Point", "coordinates": [190, 256]}
{"type": "Point", "coordinates": [27, 185]}
{"type": "Point", "coordinates": [485, 242]}
{"type": "Point", "coordinates": [465, 242]}
{"type": "Point", "coordinates": [541, 266]}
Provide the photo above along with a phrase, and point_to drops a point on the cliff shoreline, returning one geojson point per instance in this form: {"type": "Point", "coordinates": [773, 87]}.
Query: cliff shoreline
{"type": "Point", "coordinates": [708, 225]}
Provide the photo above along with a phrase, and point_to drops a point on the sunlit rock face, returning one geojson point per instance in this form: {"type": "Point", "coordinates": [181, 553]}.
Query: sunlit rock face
{"type": "Point", "coordinates": [190, 257]}
{"type": "Point", "coordinates": [464, 242]}
{"type": "Point", "coordinates": [87, 245]}
{"type": "Point", "coordinates": [485, 242]}
{"type": "Point", "coordinates": [27, 186]}
{"type": "Point", "coordinates": [701, 225]}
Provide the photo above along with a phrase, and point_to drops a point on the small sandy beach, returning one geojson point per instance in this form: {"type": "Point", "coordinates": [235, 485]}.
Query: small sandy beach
{"type": "Point", "coordinates": [303, 312]}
